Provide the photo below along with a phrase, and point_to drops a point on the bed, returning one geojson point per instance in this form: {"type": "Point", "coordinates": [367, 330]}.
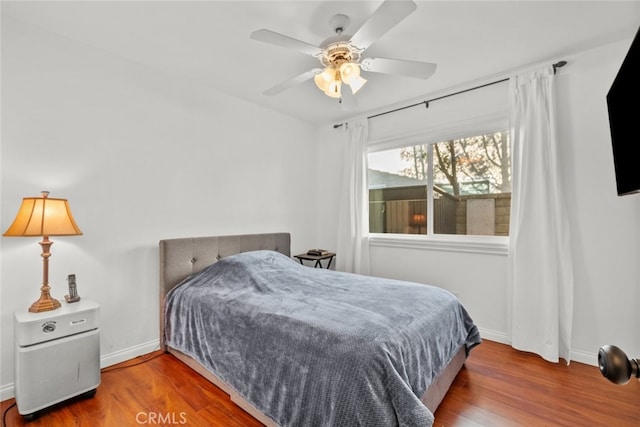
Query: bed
{"type": "Point", "coordinates": [294, 345]}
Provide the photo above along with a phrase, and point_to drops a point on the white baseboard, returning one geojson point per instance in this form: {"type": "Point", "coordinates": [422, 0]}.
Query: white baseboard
{"type": "Point", "coordinates": [585, 357]}
{"type": "Point", "coordinates": [7, 390]}
{"type": "Point", "coordinates": [496, 336]}
{"type": "Point", "coordinates": [579, 356]}
{"type": "Point", "coordinates": [129, 353]}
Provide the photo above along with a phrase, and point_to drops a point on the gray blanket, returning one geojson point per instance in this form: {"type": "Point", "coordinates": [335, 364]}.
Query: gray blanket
{"type": "Point", "coordinates": [314, 347]}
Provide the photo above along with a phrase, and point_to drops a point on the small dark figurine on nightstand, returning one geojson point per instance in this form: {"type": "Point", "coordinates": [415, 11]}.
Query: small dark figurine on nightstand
{"type": "Point", "coordinates": [73, 290]}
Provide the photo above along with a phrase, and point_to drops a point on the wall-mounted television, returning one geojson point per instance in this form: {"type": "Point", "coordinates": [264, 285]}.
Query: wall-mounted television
{"type": "Point", "coordinates": [623, 102]}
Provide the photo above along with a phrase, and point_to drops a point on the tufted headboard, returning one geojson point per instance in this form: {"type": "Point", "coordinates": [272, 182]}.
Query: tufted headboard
{"type": "Point", "coordinates": [179, 258]}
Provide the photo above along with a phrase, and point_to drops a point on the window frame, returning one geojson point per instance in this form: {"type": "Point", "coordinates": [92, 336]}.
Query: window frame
{"type": "Point", "coordinates": [493, 245]}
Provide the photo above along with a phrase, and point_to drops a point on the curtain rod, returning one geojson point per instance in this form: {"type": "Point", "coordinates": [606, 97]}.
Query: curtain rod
{"type": "Point", "coordinates": [557, 65]}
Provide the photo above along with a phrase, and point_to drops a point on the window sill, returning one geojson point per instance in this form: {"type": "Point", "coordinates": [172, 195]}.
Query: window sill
{"type": "Point", "coordinates": [489, 245]}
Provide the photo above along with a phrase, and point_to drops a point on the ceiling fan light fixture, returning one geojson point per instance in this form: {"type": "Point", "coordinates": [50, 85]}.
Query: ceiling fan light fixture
{"type": "Point", "coordinates": [324, 79]}
{"type": "Point", "coordinates": [357, 83]}
{"type": "Point", "coordinates": [334, 90]}
{"type": "Point", "coordinates": [341, 55]}
{"type": "Point", "coordinates": [349, 71]}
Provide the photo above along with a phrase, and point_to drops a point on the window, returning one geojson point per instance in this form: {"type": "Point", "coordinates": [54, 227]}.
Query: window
{"type": "Point", "coordinates": [456, 186]}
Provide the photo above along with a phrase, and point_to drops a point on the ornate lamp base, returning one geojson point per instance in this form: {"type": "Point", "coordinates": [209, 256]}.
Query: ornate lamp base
{"type": "Point", "coordinates": [45, 303]}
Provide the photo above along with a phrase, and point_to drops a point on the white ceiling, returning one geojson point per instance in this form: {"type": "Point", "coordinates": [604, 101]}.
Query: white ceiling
{"type": "Point", "coordinates": [208, 42]}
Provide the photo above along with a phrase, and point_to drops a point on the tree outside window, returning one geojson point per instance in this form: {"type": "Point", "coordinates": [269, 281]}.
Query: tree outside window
{"type": "Point", "coordinates": [470, 187]}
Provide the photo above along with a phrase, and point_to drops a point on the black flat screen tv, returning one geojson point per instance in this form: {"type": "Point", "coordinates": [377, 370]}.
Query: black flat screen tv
{"type": "Point", "coordinates": [623, 103]}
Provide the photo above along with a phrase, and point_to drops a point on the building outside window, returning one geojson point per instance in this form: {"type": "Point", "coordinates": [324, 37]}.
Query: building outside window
{"type": "Point", "coordinates": [457, 186]}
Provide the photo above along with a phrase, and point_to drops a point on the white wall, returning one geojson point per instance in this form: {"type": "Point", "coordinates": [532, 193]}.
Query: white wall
{"type": "Point", "coordinates": [141, 156]}
{"type": "Point", "coordinates": [605, 227]}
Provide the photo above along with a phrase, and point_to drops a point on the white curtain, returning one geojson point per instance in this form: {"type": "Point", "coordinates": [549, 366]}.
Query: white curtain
{"type": "Point", "coordinates": [353, 222]}
{"type": "Point", "coordinates": [540, 261]}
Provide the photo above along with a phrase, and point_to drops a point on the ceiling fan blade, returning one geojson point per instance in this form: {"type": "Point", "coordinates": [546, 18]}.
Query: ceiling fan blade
{"type": "Point", "coordinates": [292, 82]}
{"type": "Point", "coordinates": [271, 37]}
{"type": "Point", "coordinates": [421, 70]}
{"type": "Point", "coordinates": [387, 16]}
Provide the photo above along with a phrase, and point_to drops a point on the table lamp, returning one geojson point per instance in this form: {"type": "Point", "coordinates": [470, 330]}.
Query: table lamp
{"type": "Point", "coordinates": [44, 217]}
{"type": "Point", "coordinates": [420, 220]}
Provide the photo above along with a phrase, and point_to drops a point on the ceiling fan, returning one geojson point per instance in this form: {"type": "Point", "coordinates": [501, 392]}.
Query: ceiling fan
{"type": "Point", "coordinates": [341, 55]}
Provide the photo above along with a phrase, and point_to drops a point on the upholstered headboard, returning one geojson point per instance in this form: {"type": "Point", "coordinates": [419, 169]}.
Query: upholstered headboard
{"type": "Point", "coordinates": [180, 258]}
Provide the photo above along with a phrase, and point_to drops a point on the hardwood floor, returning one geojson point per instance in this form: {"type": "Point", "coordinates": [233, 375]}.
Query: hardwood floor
{"type": "Point", "coordinates": [498, 387]}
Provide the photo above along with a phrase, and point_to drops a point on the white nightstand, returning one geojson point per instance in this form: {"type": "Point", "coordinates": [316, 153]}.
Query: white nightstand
{"type": "Point", "coordinates": [57, 355]}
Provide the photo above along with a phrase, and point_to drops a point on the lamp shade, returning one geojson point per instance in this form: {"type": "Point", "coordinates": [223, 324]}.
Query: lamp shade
{"type": "Point", "coordinates": [334, 89]}
{"type": "Point", "coordinates": [42, 216]}
{"type": "Point", "coordinates": [418, 219]}
{"type": "Point", "coordinates": [349, 71]}
{"type": "Point", "coordinates": [357, 83]}
{"type": "Point", "coordinates": [323, 79]}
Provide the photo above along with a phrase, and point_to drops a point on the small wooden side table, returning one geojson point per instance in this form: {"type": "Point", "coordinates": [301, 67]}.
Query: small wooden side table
{"type": "Point", "coordinates": [317, 259]}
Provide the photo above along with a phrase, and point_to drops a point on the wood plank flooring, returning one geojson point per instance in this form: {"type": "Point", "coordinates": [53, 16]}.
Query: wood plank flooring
{"type": "Point", "coordinates": [498, 386]}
